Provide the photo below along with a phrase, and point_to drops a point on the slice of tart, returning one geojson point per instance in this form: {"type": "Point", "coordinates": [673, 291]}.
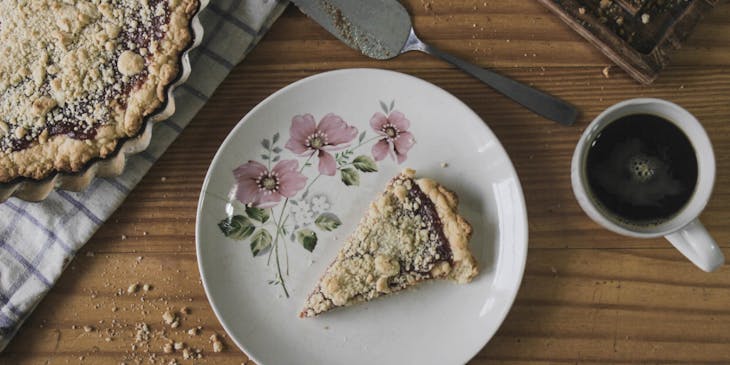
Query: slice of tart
{"type": "Point", "coordinates": [412, 232]}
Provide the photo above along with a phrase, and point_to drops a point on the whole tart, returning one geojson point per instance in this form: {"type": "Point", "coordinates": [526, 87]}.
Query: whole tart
{"type": "Point", "coordinates": [411, 233]}
{"type": "Point", "coordinates": [78, 77]}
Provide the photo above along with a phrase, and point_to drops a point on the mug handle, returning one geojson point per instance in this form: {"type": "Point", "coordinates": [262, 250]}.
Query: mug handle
{"type": "Point", "coordinates": [695, 243]}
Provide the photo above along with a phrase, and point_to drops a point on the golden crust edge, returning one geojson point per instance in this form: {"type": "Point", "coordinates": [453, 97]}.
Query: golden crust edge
{"type": "Point", "coordinates": [456, 229]}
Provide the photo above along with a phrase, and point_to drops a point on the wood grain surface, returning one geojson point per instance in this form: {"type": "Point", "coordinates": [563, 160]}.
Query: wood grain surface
{"type": "Point", "coordinates": [588, 295]}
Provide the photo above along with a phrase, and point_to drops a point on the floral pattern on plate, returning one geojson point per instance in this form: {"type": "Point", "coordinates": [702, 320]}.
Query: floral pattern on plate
{"type": "Point", "coordinates": [275, 189]}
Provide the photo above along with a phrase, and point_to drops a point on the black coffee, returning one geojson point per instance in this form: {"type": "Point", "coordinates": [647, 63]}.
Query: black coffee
{"type": "Point", "coordinates": [642, 168]}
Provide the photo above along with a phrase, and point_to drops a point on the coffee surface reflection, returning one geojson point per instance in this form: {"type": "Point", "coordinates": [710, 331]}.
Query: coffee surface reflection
{"type": "Point", "coordinates": [642, 169]}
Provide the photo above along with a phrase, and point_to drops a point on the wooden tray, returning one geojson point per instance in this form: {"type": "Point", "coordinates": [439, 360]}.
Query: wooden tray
{"type": "Point", "coordinates": [637, 35]}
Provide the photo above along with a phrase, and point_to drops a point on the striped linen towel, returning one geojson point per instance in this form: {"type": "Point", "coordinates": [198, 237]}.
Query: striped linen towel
{"type": "Point", "coordinates": [36, 241]}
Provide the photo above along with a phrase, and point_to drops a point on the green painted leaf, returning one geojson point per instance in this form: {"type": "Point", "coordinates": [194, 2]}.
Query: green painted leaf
{"type": "Point", "coordinates": [327, 222]}
{"type": "Point", "coordinates": [362, 137]}
{"type": "Point", "coordinates": [258, 214]}
{"type": "Point", "coordinates": [237, 227]}
{"type": "Point", "coordinates": [264, 157]}
{"type": "Point", "coordinates": [392, 104]}
{"type": "Point", "coordinates": [365, 164]}
{"type": "Point", "coordinates": [350, 176]}
{"type": "Point", "coordinates": [276, 150]}
{"type": "Point", "coordinates": [265, 142]}
{"type": "Point", "coordinates": [260, 241]}
{"type": "Point", "coordinates": [275, 138]}
{"type": "Point", "coordinates": [276, 158]}
{"type": "Point", "coordinates": [384, 107]}
{"type": "Point", "coordinates": [307, 238]}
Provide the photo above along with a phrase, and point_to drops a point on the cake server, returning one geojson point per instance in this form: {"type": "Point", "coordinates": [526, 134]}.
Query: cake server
{"type": "Point", "coordinates": [382, 29]}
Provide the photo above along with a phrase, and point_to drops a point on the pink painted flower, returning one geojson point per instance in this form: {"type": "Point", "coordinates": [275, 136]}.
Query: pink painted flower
{"type": "Point", "coordinates": [263, 188]}
{"type": "Point", "coordinates": [397, 140]}
{"type": "Point", "coordinates": [331, 134]}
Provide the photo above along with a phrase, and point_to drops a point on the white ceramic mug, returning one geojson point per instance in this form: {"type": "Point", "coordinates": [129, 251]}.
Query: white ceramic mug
{"type": "Point", "coordinates": [684, 229]}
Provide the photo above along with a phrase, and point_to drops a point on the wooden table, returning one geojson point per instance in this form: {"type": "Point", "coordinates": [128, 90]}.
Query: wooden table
{"type": "Point", "coordinates": [588, 296]}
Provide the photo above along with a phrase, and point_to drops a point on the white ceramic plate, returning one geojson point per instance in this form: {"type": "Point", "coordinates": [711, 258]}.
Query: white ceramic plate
{"type": "Point", "coordinates": [438, 323]}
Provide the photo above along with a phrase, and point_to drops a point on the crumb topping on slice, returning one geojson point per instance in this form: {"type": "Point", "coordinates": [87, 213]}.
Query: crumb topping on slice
{"type": "Point", "coordinates": [400, 241]}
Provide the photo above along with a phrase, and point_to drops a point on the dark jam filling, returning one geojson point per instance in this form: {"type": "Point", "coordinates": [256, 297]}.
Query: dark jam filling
{"type": "Point", "coordinates": [73, 131]}
{"type": "Point", "coordinates": [70, 122]}
{"type": "Point", "coordinates": [427, 211]}
{"type": "Point", "coordinates": [141, 36]}
{"type": "Point", "coordinates": [18, 144]}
